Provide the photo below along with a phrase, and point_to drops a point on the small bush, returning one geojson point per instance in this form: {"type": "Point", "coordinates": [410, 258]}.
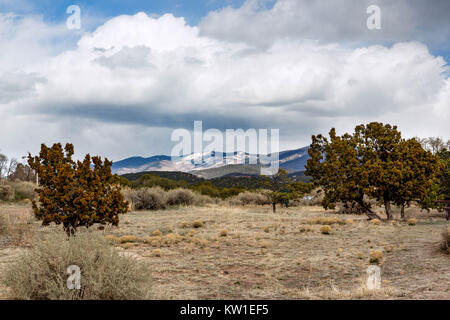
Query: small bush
{"type": "Point", "coordinates": [305, 228]}
{"type": "Point", "coordinates": [249, 198]}
{"type": "Point", "coordinates": [412, 222]}
{"type": "Point", "coordinates": [156, 233]}
{"type": "Point", "coordinates": [111, 238]}
{"type": "Point", "coordinates": [190, 233]}
{"type": "Point", "coordinates": [6, 192]}
{"type": "Point", "coordinates": [264, 244]}
{"type": "Point", "coordinates": [223, 233]}
{"type": "Point", "coordinates": [157, 253]}
{"type": "Point", "coordinates": [41, 272]}
{"type": "Point", "coordinates": [180, 196]}
{"type": "Point", "coordinates": [197, 224]}
{"type": "Point", "coordinates": [376, 256]}
{"type": "Point", "coordinates": [126, 239]}
{"type": "Point", "coordinates": [375, 222]}
{"type": "Point", "coordinates": [325, 220]}
{"type": "Point", "coordinates": [148, 198]}
{"type": "Point", "coordinates": [24, 190]}
{"type": "Point", "coordinates": [325, 229]}
{"type": "Point", "coordinates": [201, 200]}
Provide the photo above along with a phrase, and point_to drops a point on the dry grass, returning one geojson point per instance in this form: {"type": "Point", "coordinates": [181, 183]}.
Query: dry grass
{"type": "Point", "coordinates": [293, 260]}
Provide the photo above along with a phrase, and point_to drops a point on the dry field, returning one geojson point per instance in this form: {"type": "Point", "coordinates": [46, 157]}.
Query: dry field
{"type": "Point", "coordinates": [221, 252]}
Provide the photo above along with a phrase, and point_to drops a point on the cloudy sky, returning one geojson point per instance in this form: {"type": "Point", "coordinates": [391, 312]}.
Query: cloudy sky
{"type": "Point", "coordinates": [137, 70]}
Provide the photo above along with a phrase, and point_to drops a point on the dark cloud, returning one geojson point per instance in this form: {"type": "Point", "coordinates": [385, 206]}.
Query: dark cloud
{"type": "Point", "coordinates": [342, 21]}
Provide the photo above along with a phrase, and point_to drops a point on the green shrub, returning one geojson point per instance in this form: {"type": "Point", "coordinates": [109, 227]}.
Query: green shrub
{"type": "Point", "coordinates": [41, 272]}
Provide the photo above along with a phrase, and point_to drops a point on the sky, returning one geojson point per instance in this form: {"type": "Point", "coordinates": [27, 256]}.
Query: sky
{"type": "Point", "coordinates": [136, 71]}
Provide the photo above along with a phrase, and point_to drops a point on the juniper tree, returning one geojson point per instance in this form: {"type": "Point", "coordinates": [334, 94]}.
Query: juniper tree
{"type": "Point", "coordinates": [374, 162]}
{"type": "Point", "coordinates": [75, 193]}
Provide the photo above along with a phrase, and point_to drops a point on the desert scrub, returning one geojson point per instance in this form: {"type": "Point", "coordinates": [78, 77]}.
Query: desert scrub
{"type": "Point", "coordinates": [412, 222]}
{"type": "Point", "coordinates": [6, 192]}
{"type": "Point", "coordinates": [157, 252]}
{"type": "Point", "coordinates": [178, 197]}
{"type": "Point", "coordinates": [349, 221]}
{"type": "Point", "coordinates": [156, 233]}
{"type": "Point", "coordinates": [249, 198]}
{"type": "Point", "coordinates": [223, 233]}
{"type": "Point", "coordinates": [190, 233]}
{"type": "Point", "coordinates": [305, 228]}
{"type": "Point", "coordinates": [325, 229]}
{"type": "Point", "coordinates": [325, 220]}
{"type": "Point", "coordinates": [112, 239]}
{"type": "Point", "coordinates": [147, 198]}
{"type": "Point", "coordinates": [375, 256]}
{"type": "Point", "coordinates": [126, 239]}
{"type": "Point", "coordinates": [197, 224]}
{"type": "Point", "coordinates": [375, 222]}
{"type": "Point", "coordinates": [264, 244]}
{"type": "Point", "coordinates": [41, 272]}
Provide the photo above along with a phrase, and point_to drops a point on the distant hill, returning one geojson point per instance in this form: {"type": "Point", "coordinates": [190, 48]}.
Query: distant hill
{"type": "Point", "coordinates": [231, 170]}
{"type": "Point", "coordinates": [173, 175]}
{"type": "Point", "coordinates": [211, 165]}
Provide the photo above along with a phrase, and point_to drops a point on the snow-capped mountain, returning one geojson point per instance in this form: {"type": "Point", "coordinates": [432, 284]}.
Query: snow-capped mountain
{"type": "Point", "coordinates": [291, 160]}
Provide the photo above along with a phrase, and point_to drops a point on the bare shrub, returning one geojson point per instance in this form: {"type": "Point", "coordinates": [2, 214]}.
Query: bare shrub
{"type": "Point", "coordinates": [202, 200]}
{"type": "Point", "coordinates": [24, 190]}
{"type": "Point", "coordinates": [6, 192]}
{"type": "Point", "coordinates": [249, 198]}
{"type": "Point", "coordinates": [180, 196]}
{"type": "Point", "coordinates": [41, 272]}
{"type": "Point", "coordinates": [148, 198]}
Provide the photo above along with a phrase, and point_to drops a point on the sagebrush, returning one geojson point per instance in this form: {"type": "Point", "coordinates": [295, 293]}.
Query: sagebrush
{"type": "Point", "coordinates": [41, 272]}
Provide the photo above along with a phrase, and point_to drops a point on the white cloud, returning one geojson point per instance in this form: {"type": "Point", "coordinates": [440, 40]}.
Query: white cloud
{"type": "Point", "coordinates": [133, 79]}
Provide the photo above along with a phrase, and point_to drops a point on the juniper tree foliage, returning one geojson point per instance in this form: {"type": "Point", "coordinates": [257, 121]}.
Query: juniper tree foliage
{"type": "Point", "coordinates": [374, 162]}
{"type": "Point", "coordinates": [444, 174]}
{"type": "Point", "coordinates": [75, 194]}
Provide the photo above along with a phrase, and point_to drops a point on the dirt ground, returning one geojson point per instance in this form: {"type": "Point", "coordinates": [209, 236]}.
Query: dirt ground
{"type": "Point", "coordinates": [251, 253]}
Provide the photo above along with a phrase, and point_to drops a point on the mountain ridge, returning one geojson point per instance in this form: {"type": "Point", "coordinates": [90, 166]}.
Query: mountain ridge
{"type": "Point", "coordinates": [212, 165]}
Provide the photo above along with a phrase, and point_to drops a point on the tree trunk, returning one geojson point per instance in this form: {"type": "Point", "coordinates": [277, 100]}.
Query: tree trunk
{"type": "Point", "coordinates": [402, 211]}
{"type": "Point", "coordinates": [387, 207]}
{"type": "Point", "coordinates": [274, 207]}
{"type": "Point", "coordinates": [368, 212]}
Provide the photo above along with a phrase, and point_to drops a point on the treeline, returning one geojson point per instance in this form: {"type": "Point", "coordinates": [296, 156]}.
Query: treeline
{"type": "Point", "coordinates": [224, 187]}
